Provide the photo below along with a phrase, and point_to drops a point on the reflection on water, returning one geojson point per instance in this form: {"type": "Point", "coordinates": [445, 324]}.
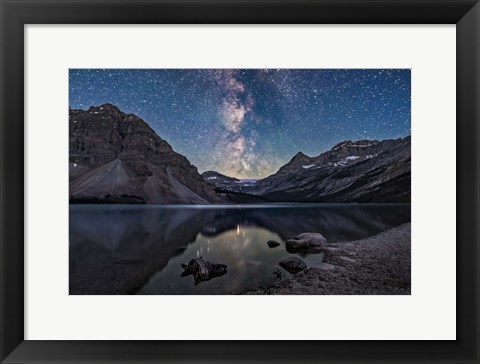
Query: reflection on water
{"type": "Point", "coordinates": [244, 250]}
{"type": "Point", "coordinates": [125, 249]}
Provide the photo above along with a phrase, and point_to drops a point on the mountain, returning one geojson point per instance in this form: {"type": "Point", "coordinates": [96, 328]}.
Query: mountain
{"type": "Point", "coordinates": [352, 171]}
{"type": "Point", "coordinates": [226, 183]}
{"type": "Point", "coordinates": [298, 160]}
{"type": "Point", "coordinates": [218, 178]}
{"type": "Point", "coordinates": [117, 157]}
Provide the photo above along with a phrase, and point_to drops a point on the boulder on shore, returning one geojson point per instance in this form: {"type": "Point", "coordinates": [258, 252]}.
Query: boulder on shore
{"type": "Point", "coordinates": [273, 243]}
{"type": "Point", "coordinates": [293, 265]}
{"type": "Point", "coordinates": [306, 240]}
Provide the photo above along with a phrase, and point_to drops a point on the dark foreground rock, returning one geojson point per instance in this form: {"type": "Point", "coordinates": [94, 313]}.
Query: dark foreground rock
{"type": "Point", "coordinates": [203, 270]}
{"type": "Point", "coordinates": [293, 265]}
{"type": "Point", "coordinates": [306, 240]}
{"type": "Point", "coordinates": [272, 243]}
{"type": "Point", "coordinates": [379, 265]}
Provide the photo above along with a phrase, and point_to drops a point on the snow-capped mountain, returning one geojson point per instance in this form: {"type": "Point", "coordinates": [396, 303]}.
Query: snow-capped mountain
{"type": "Point", "coordinates": [352, 171]}
{"type": "Point", "coordinates": [222, 182]}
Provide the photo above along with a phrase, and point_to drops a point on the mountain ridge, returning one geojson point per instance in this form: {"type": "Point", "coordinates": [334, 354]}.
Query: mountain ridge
{"type": "Point", "coordinates": [117, 157]}
{"type": "Point", "coordinates": [351, 171]}
{"type": "Point", "coordinates": [102, 135]}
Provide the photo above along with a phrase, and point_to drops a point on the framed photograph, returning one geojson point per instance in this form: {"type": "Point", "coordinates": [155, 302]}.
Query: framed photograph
{"type": "Point", "coordinates": [239, 181]}
{"type": "Point", "coordinates": [242, 213]}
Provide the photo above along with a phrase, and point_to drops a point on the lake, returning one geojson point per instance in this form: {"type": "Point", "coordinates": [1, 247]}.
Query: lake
{"type": "Point", "coordinates": [139, 249]}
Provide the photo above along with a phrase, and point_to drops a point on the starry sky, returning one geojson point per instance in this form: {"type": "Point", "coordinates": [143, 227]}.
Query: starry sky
{"type": "Point", "coordinates": [247, 123]}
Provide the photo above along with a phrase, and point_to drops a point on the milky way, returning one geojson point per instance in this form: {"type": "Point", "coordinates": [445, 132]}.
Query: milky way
{"type": "Point", "coordinates": [247, 123]}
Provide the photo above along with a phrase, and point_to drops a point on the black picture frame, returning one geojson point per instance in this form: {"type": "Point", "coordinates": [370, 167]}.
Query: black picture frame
{"type": "Point", "coordinates": [16, 13]}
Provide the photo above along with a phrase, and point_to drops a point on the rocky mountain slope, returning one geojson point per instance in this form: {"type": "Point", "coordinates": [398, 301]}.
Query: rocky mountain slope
{"type": "Point", "coordinates": [360, 171]}
{"type": "Point", "coordinates": [117, 157]}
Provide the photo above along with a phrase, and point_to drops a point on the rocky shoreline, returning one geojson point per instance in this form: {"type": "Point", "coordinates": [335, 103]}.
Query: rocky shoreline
{"type": "Point", "coordinates": [379, 265]}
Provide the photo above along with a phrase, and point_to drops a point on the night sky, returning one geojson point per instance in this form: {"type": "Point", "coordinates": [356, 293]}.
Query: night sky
{"type": "Point", "coordinates": [248, 123]}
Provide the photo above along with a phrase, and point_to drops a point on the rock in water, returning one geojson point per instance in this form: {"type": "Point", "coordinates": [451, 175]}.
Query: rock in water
{"type": "Point", "coordinates": [293, 265]}
{"type": "Point", "coordinates": [203, 270]}
{"type": "Point", "coordinates": [306, 240]}
{"type": "Point", "coordinates": [272, 243]}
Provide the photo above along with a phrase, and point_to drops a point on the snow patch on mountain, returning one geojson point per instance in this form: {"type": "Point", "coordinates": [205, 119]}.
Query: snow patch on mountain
{"type": "Point", "coordinates": [363, 145]}
{"type": "Point", "coordinates": [247, 181]}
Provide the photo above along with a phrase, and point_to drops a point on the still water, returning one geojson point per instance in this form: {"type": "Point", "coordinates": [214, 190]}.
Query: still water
{"type": "Point", "coordinates": [138, 249]}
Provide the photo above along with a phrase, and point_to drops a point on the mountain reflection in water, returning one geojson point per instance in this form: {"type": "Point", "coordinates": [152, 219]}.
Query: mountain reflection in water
{"type": "Point", "coordinates": [132, 249]}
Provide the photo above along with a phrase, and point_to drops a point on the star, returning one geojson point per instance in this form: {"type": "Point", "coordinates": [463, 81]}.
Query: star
{"type": "Point", "coordinates": [246, 123]}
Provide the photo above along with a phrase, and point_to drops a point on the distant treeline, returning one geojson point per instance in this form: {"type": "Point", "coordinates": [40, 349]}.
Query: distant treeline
{"type": "Point", "coordinates": [108, 199]}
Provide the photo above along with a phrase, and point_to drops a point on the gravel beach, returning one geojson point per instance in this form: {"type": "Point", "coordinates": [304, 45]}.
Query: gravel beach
{"type": "Point", "coordinates": [378, 265]}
